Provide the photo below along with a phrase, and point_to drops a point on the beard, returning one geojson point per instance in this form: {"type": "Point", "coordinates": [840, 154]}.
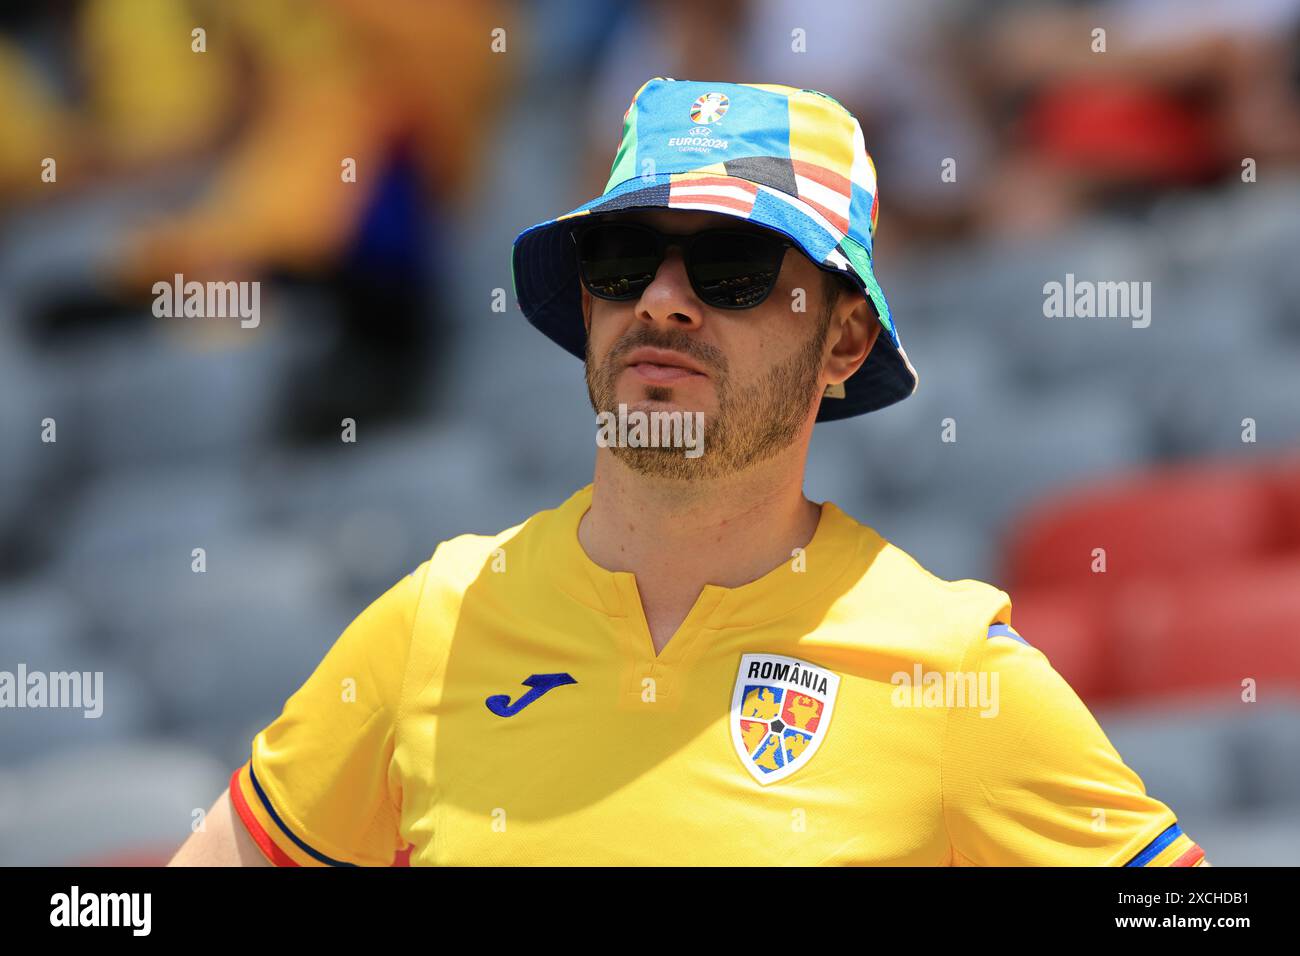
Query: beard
{"type": "Point", "coordinates": [754, 421]}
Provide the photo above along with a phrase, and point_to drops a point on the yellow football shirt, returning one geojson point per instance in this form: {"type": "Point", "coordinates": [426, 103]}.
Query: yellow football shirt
{"type": "Point", "coordinates": [503, 705]}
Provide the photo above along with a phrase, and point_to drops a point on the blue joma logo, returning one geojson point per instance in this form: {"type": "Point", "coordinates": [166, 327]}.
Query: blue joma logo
{"type": "Point", "coordinates": [500, 704]}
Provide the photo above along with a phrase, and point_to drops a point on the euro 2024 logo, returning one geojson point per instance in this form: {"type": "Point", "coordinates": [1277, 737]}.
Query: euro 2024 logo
{"type": "Point", "coordinates": [709, 108]}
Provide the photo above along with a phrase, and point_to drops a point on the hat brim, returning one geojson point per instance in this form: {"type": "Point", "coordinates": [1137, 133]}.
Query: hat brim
{"type": "Point", "coordinates": [545, 274]}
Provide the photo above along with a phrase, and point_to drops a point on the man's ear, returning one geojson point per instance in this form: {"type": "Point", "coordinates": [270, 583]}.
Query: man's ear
{"type": "Point", "coordinates": [855, 315]}
{"type": "Point", "coordinates": [586, 307]}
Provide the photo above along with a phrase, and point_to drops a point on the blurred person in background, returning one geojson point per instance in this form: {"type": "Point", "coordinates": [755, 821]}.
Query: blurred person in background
{"type": "Point", "coordinates": [1044, 126]}
{"type": "Point", "coordinates": [282, 93]}
{"type": "Point", "coordinates": [1173, 96]}
{"type": "Point", "coordinates": [907, 91]}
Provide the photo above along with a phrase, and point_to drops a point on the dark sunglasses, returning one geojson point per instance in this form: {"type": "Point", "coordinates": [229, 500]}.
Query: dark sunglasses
{"type": "Point", "coordinates": [728, 268]}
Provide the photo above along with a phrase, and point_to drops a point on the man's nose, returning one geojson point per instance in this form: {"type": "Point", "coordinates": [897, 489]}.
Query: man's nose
{"type": "Point", "coordinates": [669, 298]}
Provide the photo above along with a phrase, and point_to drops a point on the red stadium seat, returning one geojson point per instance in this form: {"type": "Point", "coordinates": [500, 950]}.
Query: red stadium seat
{"type": "Point", "coordinates": [1283, 480]}
{"type": "Point", "coordinates": [1206, 632]}
{"type": "Point", "coordinates": [1201, 588]}
{"type": "Point", "coordinates": [1172, 521]}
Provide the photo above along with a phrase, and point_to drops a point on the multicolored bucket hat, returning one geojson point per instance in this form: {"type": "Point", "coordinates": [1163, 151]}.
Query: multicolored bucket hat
{"type": "Point", "coordinates": [788, 159]}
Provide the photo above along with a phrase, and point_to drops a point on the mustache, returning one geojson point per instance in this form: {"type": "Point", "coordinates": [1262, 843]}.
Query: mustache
{"type": "Point", "coordinates": [707, 355]}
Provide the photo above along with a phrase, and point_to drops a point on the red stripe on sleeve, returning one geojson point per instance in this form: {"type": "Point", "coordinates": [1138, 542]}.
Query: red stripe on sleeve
{"type": "Point", "coordinates": [260, 836]}
{"type": "Point", "coordinates": [1190, 858]}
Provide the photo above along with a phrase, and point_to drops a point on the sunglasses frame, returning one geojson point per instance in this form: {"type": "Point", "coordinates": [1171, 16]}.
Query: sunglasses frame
{"type": "Point", "coordinates": [686, 241]}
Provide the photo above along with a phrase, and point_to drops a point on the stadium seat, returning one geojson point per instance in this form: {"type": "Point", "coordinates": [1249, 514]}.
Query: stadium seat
{"type": "Point", "coordinates": [44, 630]}
{"type": "Point", "coordinates": [93, 804]}
{"type": "Point", "coordinates": [1207, 405]}
{"type": "Point", "coordinates": [1171, 520]}
{"type": "Point", "coordinates": [1282, 478]}
{"type": "Point", "coordinates": [151, 399]}
{"type": "Point", "coordinates": [1211, 630]}
{"type": "Point", "coordinates": [1019, 447]}
{"type": "Point", "coordinates": [1226, 758]}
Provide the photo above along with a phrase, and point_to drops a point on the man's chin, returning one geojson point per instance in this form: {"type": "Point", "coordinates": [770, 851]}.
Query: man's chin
{"type": "Point", "coordinates": [639, 403]}
{"type": "Point", "coordinates": [666, 463]}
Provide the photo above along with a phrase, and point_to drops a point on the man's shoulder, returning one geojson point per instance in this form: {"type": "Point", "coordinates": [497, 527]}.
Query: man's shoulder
{"type": "Point", "coordinates": [458, 561]}
{"type": "Point", "coordinates": [899, 586]}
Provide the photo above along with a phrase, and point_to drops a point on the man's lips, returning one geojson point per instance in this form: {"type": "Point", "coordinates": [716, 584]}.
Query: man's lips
{"type": "Point", "coordinates": [662, 373]}
{"type": "Point", "coordinates": [661, 365]}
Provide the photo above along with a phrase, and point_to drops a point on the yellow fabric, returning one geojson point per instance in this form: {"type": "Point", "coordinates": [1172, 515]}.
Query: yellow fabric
{"type": "Point", "coordinates": [634, 762]}
{"type": "Point", "coordinates": [1040, 783]}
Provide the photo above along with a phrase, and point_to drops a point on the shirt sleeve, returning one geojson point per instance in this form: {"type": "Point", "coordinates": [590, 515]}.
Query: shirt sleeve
{"type": "Point", "coordinates": [320, 787]}
{"type": "Point", "coordinates": [1030, 779]}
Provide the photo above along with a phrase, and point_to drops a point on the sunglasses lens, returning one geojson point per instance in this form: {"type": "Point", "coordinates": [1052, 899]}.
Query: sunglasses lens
{"type": "Point", "coordinates": [735, 270]}
{"type": "Point", "coordinates": [617, 261]}
{"type": "Point", "coordinates": [729, 269]}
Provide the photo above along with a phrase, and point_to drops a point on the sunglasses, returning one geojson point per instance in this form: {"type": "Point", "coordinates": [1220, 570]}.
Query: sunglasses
{"type": "Point", "coordinates": [728, 268]}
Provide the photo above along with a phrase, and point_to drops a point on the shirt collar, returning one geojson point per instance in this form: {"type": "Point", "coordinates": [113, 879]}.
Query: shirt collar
{"type": "Point", "coordinates": [839, 545]}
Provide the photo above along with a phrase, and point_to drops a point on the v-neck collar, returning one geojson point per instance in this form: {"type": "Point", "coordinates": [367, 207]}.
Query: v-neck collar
{"type": "Point", "coordinates": [837, 541]}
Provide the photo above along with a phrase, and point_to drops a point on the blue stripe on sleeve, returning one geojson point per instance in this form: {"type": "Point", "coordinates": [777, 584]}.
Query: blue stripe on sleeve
{"type": "Point", "coordinates": [315, 854]}
{"type": "Point", "coordinates": [1004, 630]}
{"type": "Point", "coordinates": [1172, 833]}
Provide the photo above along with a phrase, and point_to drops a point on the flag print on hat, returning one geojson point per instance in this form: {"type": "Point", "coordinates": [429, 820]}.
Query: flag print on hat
{"type": "Point", "coordinates": [787, 159]}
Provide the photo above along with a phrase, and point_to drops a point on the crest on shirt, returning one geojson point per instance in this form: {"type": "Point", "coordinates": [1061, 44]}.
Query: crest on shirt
{"type": "Point", "coordinates": [780, 710]}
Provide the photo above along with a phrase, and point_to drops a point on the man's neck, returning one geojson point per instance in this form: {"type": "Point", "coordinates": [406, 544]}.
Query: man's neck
{"type": "Point", "coordinates": [677, 537]}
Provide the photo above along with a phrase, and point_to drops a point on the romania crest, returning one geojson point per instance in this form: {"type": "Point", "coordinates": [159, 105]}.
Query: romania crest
{"type": "Point", "coordinates": [780, 709]}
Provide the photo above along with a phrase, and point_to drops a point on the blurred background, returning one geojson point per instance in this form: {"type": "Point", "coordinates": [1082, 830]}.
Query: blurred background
{"type": "Point", "coordinates": [1171, 158]}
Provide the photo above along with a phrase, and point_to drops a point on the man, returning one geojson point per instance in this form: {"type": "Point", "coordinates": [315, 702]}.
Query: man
{"type": "Point", "coordinates": [688, 662]}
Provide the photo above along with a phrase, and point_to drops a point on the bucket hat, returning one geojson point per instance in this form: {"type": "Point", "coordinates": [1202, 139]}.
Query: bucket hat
{"type": "Point", "coordinates": [788, 159]}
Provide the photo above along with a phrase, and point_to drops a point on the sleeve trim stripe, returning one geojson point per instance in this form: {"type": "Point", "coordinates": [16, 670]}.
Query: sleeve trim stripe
{"type": "Point", "coordinates": [1004, 630]}
{"type": "Point", "coordinates": [266, 825]}
{"type": "Point", "coordinates": [1168, 836]}
{"type": "Point", "coordinates": [301, 844]}
{"type": "Point", "coordinates": [1192, 857]}
{"type": "Point", "coordinates": [254, 827]}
